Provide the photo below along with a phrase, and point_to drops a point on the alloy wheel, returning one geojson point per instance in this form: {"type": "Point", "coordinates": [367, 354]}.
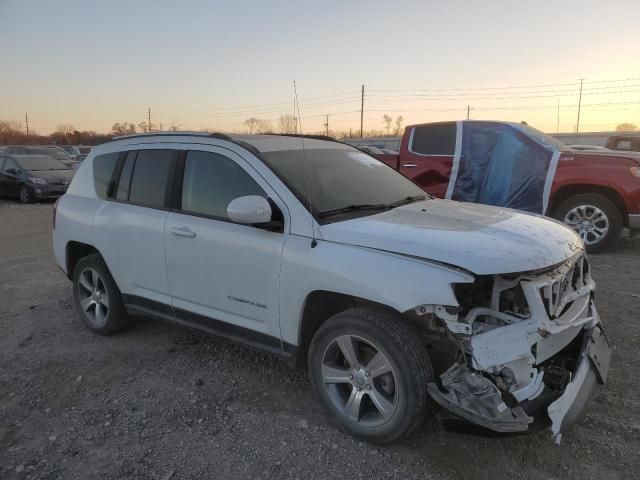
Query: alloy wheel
{"type": "Point", "coordinates": [360, 381]}
{"type": "Point", "coordinates": [591, 223]}
{"type": "Point", "coordinates": [93, 297]}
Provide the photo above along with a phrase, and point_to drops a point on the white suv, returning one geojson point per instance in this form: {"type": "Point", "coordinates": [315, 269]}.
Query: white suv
{"type": "Point", "coordinates": [314, 251]}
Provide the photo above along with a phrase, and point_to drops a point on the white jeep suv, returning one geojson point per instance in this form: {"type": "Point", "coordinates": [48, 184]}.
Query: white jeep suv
{"type": "Point", "coordinates": [314, 251]}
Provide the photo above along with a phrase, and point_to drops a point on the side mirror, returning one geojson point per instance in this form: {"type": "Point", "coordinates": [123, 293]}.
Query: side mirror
{"type": "Point", "coordinates": [12, 171]}
{"type": "Point", "coordinates": [252, 209]}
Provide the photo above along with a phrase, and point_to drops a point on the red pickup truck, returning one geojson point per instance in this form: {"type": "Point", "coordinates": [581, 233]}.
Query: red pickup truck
{"type": "Point", "coordinates": [597, 193]}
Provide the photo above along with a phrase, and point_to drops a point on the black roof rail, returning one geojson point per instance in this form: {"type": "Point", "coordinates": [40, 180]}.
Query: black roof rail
{"type": "Point", "coordinates": [221, 136]}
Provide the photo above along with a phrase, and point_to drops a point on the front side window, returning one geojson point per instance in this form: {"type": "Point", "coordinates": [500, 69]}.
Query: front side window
{"type": "Point", "coordinates": [103, 166]}
{"type": "Point", "coordinates": [211, 181]}
{"type": "Point", "coordinates": [435, 139]}
{"type": "Point", "coordinates": [150, 176]}
{"type": "Point", "coordinates": [342, 179]}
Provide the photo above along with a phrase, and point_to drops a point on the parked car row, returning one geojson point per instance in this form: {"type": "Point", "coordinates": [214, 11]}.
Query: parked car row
{"type": "Point", "coordinates": [68, 154]}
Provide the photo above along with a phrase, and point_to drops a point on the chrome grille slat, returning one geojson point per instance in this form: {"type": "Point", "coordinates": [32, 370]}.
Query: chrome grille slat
{"type": "Point", "coordinates": [558, 294]}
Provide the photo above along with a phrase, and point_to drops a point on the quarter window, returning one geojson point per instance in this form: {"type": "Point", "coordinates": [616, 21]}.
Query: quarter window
{"type": "Point", "coordinates": [103, 166]}
{"type": "Point", "coordinates": [211, 181]}
{"type": "Point", "coordinates": [436, 139]}
{"type": "Point", "coordinates": [149, 179]}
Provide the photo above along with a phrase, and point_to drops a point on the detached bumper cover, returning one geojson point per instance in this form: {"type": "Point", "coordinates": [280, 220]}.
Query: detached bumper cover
{"type": "Point", "coordinates": [593, 369]}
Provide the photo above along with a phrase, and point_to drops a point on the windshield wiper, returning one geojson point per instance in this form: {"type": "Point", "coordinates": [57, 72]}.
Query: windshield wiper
{"type": "Point", "coordinates": [354, 208]}
{"type": "Point", "coordinates": [407, 200]}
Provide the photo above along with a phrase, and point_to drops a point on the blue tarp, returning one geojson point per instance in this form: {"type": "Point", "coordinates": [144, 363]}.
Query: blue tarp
{"type": "Point", "coordinates": [500, 165]}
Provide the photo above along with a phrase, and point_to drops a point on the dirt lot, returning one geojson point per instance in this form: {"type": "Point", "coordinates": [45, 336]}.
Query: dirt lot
{"type": "Point", "coordinates": [159, 401]}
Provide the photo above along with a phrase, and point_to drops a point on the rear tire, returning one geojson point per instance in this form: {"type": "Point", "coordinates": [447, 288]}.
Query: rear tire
{"type": "Point", "coordinates": [97, 297]}
{"type": "Point", "coordinates": [376, 392]}
{"type": "Point", "coordinates": [594, 217]}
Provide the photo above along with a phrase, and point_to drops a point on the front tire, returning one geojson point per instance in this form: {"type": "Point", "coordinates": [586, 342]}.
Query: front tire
{"type": "Point", "coordinates": [97, 297]}
{"type": "Point", "coordinates": [595, 218]}
{"type": "Point", "coordinates": [370, 372]}
{"type": "Point", "coordinates": [25, 194]}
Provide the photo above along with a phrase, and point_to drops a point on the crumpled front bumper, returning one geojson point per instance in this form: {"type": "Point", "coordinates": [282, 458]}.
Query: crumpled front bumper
{"type": "Point", "coordinates": [473, 397]}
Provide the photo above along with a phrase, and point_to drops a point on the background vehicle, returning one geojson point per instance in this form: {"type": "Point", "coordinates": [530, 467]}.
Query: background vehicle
{"type": "Point", "coordinates": [76, 152]}
{"type": "Point", "coordinates": [33, 177]}
{"type": "Point", "coordinates": [595, 192]}
{"type": "Point", "coordinates": [345, 264]}
{"type": "Point", "coordinates": [54, 152]}
{"type": "Point", "coordinates": [626, 143]}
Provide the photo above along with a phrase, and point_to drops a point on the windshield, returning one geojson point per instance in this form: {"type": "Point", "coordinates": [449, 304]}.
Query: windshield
{"type": "Point", "coordinates": [542, 138]}
{"type": "Point", "coordinates": [342, 179]}
{"type": "Point", "coordinates": [41, 162]}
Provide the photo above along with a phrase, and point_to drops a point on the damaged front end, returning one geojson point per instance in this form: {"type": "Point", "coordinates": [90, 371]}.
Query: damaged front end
{"type": "Point", "coordinates": [530, 349]}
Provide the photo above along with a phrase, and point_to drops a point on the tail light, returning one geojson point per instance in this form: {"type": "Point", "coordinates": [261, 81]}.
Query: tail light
{"type": "Point", "coordinates": [55, 211]}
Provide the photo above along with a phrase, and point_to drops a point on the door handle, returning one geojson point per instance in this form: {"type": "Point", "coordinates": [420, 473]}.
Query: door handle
{"type": "Point", "coordinates": [409, 165]}
{"type": "Point", "coordinates": [183, 232]}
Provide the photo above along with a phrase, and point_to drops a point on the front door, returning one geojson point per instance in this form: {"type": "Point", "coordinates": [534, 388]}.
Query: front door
{"type": "Point", "coordinates": [223, 276]}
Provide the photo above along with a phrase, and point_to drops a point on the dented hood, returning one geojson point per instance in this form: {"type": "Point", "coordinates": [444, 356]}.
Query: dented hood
{"type": "Point", "coordinates": [478, 238]}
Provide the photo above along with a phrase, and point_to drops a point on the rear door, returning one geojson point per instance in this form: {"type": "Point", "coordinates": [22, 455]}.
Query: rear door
{"type": "Point", "coordinates": [427, 156]}
{"type": "Point", "coordinates": [129, 225]}
{"type": "Point", "coordinates": [223, 276]}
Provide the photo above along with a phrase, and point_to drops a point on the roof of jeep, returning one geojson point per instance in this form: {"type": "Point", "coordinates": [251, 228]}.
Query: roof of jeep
{"type": "Point", "coordinates": [262, 143]}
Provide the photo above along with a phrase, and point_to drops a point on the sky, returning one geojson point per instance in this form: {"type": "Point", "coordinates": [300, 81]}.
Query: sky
{"type": "Point", "coordinates": [213, 64]}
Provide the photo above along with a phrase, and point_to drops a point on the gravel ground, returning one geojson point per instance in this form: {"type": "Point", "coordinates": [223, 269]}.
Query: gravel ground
{"type": "Point", "coordinates": [160, 402]}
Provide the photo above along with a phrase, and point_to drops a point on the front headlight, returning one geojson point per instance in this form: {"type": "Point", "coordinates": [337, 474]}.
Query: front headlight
{"type": "Point", "coordinates": [38, 181]}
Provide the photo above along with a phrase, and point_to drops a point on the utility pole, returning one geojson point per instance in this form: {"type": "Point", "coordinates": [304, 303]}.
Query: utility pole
{"type": "Point", "coordinates": [295, 131]}
{"type": "Point", "coordinates": [579, 105]}
{"type": "Point", "coordinates": [326, 126]}
{"type": "Point", "coordinates": [468, 109]}
{"type": "Point", "coordinates": [362, 112]}
{"type": "Point", "coordinates": [26, 121]}
{"type": "Point", "coordinates": [558, 125]}
{"type": "Point", "coordinates": [149, 113]}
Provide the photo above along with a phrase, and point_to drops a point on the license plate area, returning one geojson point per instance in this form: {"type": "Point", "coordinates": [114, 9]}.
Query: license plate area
{"type": "Point", "coordinates": [599, 352]}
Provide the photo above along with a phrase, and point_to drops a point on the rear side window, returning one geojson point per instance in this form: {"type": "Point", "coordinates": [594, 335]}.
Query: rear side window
{"type": "Point", "coordinates": [150, 175]}
{"type": "Point", "coordinates": [211, 181]}
{"type": "Point", "coordinates": [103, 166]}
{"type": "Point", "coordinates": [436, 139]}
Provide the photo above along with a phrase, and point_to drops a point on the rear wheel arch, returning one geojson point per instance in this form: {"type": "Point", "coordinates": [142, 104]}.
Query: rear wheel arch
{"type": "Point", "coordinates": [565, 193]}
{"type": "Point", "coordinates": [76, 251]}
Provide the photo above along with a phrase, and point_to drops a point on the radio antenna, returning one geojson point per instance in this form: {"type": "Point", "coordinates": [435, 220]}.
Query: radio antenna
{"type": "Point", "coordinates": [314, 242]}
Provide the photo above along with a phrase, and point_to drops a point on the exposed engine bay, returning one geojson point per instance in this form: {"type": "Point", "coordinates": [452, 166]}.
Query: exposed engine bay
{"type": "Point", "coordinates": [529, 348]}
